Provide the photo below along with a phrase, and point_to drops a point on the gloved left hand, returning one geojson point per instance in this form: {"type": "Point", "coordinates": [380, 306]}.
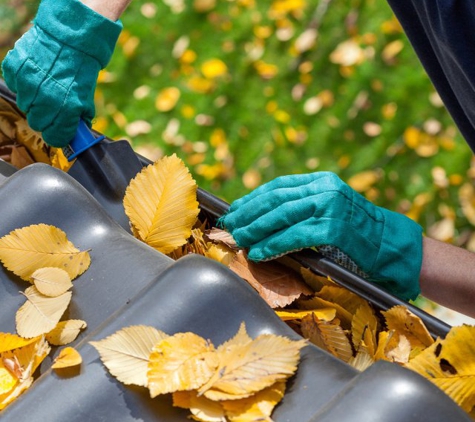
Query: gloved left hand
{"type": "Point", "coordinates": [54, 66]}
{"type": "Point", "coordinates": [318, 209]}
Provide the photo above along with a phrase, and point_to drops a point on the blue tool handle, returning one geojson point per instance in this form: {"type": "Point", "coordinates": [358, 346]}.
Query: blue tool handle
{"type": "Point", "coordinates": [83, 140]}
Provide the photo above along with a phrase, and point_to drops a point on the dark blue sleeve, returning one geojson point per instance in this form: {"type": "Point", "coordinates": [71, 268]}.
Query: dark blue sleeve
{"type": "Point", "coordinates": [442, 32]}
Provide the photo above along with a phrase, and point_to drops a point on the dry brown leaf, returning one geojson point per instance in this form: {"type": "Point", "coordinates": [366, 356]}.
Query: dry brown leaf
{"type": "Point", "coordinates": [327, 336]}
{"type": "Point", "coordinates": [403, 321]}
{"type": "Point", "coordinates": [276, 284]}
{"type": "Point", "coordinates": [51, 281]}
{"type": "Point", "coordinates": [161, 204]}
{"type": "Point", "coordinates": [126, 353]}
{"type": "Point", "coordinates": [65, 332]}
{"type": "Point", "coordinates": [67, 358]}
{"type": "Point", "coordinates": [252, 366]}
{"type": "Point", "coordinates": [40, 313]}
{"type": "Point", "coordinates": [20, 157]}
{"type": "Point", "coordinates": [25, 250]}
{"type": "Point", "coordinates": [221, 236]}
{"type": "Point", "coordinates": [184, 361]}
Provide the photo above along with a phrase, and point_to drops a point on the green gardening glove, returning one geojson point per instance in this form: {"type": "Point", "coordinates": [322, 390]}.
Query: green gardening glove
{"type": "Point", "coordinates": [54, 66]}
{"type": "Point", "coordinates": [319, 210]}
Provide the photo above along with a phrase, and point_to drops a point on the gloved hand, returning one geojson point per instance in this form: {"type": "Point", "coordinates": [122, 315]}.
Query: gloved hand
{"type": "Point", "coordinates": [54, 66]}
{"type": "Point", "coordinates": [318, 209]}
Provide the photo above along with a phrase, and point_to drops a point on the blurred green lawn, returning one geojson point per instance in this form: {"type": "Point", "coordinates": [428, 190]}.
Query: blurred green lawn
{"type": "Point", "coordinates": [247, 90]}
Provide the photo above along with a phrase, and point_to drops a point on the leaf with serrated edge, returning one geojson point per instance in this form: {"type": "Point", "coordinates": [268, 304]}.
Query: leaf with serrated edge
{"type": "Point", "coordinates": [328, 336]}
{"type": "Point", "coordinates": [448, 365]}
{"type": "Point", "coordinates": [257, 407]}
{"type": "Point", "coordinates": [403, 321]}
{"type": "Point", "coordinates": [67, 358]}
{"type": "Point", "coordinates": [201, 408]}
{"type": "Point", "coordinates": [184, 361]}
{"type": "Point", "coordinates": [324, 314]}
{"type": "Point", "coordinates": [161, 204]}
{"type": "Point", "coordinates": [65, 332]}
{"type": "Point", "coordinates": [10, 341]}
{"type": "Point", "coordinates": [51, 281]}
{"type": "Point", "coordinates": [25, 250]}
{"type": "Point", "coordinates": [250, 367]}
{"type": "Point", "coordinates": [126, 353]}
{"type": "Point", "coordinates": [363, 319]}
{"type": "Point", "coordinates": [40, 313]}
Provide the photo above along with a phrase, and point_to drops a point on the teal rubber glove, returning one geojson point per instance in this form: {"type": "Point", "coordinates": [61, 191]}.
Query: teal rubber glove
{"type": "Point", "coordinates": [319, 210]}
{"type": "Point", "coordinates": [54, 66]}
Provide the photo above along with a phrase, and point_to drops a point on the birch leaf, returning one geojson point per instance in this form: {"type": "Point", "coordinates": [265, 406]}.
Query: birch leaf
{"type": "Point", "coordinates": [25, 250]}
{"type": "Point", "coordinates": [51, 281]}
{"type": "Point", "coordinates": [184, 361]}
{"type": "Point", "coordinates": [201, 408]}
{"type": "Point", "coordinates": [343, 297]}
{"type": "Point", "coordinates": [327, 336]}
{"type": "Point", "coordinates": [403, 321]}
{"type": "Point", "coordinates": [316, 282]}
{"type": "Point", "coordinates": [12, 341]}
{"type": "Point", "coordinates": [161, 204]}
{"type": "Point", "coordinates": [40, 313]}
{"type": "Point", "coordinates": [247, 368]}
{"type": "Point", "coordinates": [65, 332]}
{"type": "Point", "coordinates": [449, 364]}
{"type": "Point", "coordinates": [323, 314]}
{"type": "Point", "coordinates": [276, 284]}
{"type": "Point", "coordinates": [258, 407]}
{"type": "Point", "coordinates": [67, 358]}
{"type": "Point", "coordinates": [126, 352]}
{"type": "Point", "coordinates": [316, 302]}
{"type": "Point", "coordinates": [363, 320]}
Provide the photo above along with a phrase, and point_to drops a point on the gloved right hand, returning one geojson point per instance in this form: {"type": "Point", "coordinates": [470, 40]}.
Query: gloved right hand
{"type": "Point", "coordinates": [320, 210]}
{"type": "Point", "coordinates": [54, 66]}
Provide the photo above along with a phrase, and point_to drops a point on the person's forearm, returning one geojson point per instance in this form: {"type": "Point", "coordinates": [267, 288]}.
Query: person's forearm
{"type": "Point", "coordinates": [111, 9]}
{"type": "Point", "coordinates": [448, 276]}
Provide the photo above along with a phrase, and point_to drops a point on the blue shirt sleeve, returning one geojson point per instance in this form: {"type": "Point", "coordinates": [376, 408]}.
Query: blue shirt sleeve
{"type": "Point", "coordinates": [442, 33]}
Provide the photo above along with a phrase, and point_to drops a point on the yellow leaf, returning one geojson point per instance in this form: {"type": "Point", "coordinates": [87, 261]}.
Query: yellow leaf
{"type": "Point", "coordinates": [25, 360]}
{"type": "Point", "coordinates": [327, 336]}
{"type": "Point", "coordinates": [362, 360]}
{"type": "Point", "coordinates": [343, 297]}
{"type": "Point", "coordinates": [167, 98]}
{"type": "Point", "coordinates": [184, 361]}
{"type": "Point", "coordinates": [66, 358]}
{"type": "Point", "coordinates": [324, 314]}
{"type": "Point", "coordinates": [51, 281]}
{"type": "Point", "coordinates": [220, 253]}
{"type": "Point", "coordinates": [25, 250]}
{"type": "Point", "coordinates": [40, 313]}
{"type": "Point", "coordinates": [12, 341]}
{"type": "Point", "coordinates": [8, 378]}
{"type": "Point", "coordinates": [161, 204]}
{"type": "Point", "coordinates": [240, 338]}
{"type": "Point", "coordinates": [59, 160]}
{"type": "Point", "coordinates": [315, 281]}
{"type": "Point", "coordinates": [201, 408]}
{"type": "Point", "coordinates": [450, 365]}
{"type": "Point", "coordinates": [252, 366]}
{"type": "Point", "coordinates": [361, 182]}
{"type": "Point", "coordinates": [403, 321]}
{"type": "Point", "coordinates": [400, 353]}
{"type": "Point", "coordinates": [316, 303]}
{"type": "Point", "coordinates": [258, 407]}
{"type": "Point", "coordinates": [364, 320]}
{"type": "Point", "coordinates": [126, 353]}
{"type": "Point", "coordinates": [65, 332]}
